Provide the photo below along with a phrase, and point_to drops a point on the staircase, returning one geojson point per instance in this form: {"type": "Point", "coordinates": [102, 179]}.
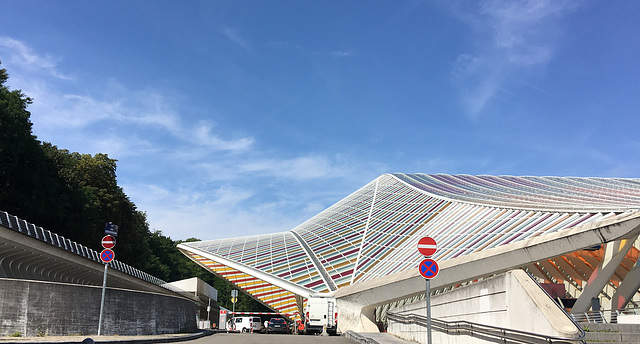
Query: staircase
{"type": "Point", "coordinates": [611, 333]}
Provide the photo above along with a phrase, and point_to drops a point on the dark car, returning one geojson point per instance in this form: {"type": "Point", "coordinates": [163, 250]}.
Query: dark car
{"type": "Point", "coordinates": [277, 325]}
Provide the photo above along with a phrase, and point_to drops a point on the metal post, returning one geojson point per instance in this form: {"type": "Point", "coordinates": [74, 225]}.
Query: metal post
{"type": "Point", "coordinates": [104, 287]}
{"type": "Point", "coordinates": [428, 311]}
{"type": "Point", "coordinates": [209, 312]}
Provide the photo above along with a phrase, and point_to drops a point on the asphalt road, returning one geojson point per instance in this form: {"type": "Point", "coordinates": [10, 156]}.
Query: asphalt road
{"type": "Point", "coordinates": [255, 338]}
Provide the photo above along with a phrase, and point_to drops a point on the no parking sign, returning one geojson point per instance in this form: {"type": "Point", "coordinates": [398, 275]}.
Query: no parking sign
{"type": "Point", "coordinates": [429, 268]}
{"type": "Point", "coordinates": [107, 255]}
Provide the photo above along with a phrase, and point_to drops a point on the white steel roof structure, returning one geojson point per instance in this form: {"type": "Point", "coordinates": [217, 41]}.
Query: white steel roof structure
{"type": "Point", "coordinates": [373, 232]}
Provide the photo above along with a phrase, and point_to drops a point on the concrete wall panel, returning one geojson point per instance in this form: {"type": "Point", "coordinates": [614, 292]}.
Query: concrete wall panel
{"type": "Point", "coordinates": [44, 308]}
{"type": "Point", "coordinates": [510, 300]}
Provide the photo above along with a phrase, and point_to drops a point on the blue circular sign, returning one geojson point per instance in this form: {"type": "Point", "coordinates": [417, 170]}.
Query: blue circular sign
{"type": "Point", "coordinates": [429, 268]}
{"type": "Point", "coordinates": [107, 255]}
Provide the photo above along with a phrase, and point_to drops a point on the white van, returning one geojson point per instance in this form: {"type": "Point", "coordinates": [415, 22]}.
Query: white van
{"type": "Point", "coordinates": [321, 313]}
{"type": "Point", "coordinates": [246, 324]}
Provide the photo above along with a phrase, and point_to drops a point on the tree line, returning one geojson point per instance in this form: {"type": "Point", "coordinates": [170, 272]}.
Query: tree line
{"type": "Point", "coordinates": [74, 195]}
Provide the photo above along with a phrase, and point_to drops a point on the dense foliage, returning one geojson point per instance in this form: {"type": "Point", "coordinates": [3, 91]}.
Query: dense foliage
{"type": "Point", "coordinates": [75, 194]}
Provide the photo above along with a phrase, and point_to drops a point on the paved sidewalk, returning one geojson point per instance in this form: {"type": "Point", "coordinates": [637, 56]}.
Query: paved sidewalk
{"type": "Point", "coordinates": [162, 338]}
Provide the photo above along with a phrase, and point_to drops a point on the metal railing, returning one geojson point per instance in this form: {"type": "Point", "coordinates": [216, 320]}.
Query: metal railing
{"type": "Point", "coordinates": [490, 333]}
{"type": "Point", "coordinates": [604, 316]}
{"type": "Point", "coordinates": [359, 338]}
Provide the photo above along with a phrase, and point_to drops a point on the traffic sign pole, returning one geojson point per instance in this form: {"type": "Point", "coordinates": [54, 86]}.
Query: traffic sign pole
{"type": "Point", "coordinates": [428, 269]}
{"type": "Point", "coordinates": [428, 310]}
{"type": "Point", "coordinates": [107, 255]}
{"type": "Point", "coordinates": [104, 288]}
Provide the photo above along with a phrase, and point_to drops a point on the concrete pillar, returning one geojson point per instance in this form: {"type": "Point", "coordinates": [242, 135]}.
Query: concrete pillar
{"type": "Point", "coordinates": [613, 256]}
{"type": "Point", "coordinates": [627, 288]}
{"type": "Point", "coordinates": [355, 317]}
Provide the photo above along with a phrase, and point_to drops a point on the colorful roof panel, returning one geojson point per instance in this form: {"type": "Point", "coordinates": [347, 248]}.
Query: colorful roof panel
{"type": "Point", "coordinates": [373, 232]}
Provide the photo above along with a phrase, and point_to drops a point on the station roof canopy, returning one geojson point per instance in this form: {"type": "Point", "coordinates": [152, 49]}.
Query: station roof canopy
{"type": "Point", "coordinates": [373, 232]}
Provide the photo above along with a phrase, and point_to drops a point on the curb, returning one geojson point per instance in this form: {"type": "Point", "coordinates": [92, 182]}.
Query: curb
{"type": "Point", "coordinates": [124, 340]}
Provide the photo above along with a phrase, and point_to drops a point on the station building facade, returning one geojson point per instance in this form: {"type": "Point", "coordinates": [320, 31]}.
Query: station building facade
{"type": "Point", "coordinates": [373, 233]}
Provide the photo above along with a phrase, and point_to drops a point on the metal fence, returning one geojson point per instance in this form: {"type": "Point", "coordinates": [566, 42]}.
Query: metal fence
{"type": "Point", "coordinates": [603, 317]}
{"type": "Point", "coordinates": [36, 232]}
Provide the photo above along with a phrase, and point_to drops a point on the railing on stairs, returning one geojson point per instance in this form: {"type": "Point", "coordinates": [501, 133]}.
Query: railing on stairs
{"type": "Point", "coordinates": [604, 316]}
{"type": "Point", "coordinates": [490, 333]}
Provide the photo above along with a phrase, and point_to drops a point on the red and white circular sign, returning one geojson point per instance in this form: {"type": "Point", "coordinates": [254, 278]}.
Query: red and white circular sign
{"type": "Point", "coordinates": [427, 246]}
{"type": "Point", "coordinates": [108, 241]}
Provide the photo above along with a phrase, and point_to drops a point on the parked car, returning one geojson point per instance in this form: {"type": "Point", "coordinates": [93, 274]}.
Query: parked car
{"type": "Point", "coordinates": [278, 325]}
{"type": "Point", "coordinates": [246, 324]}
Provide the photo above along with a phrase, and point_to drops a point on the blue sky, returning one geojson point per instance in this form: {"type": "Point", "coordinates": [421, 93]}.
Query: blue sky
{"type": "Point", "coordinates": [233, 118]}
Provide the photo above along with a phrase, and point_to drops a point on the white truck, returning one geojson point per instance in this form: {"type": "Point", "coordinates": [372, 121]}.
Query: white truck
{"type": "Point", "coordinates": [321, 314]}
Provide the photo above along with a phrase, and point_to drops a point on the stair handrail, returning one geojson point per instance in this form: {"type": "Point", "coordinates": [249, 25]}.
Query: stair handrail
{"type": "Point", "coordinates": [501, 333]}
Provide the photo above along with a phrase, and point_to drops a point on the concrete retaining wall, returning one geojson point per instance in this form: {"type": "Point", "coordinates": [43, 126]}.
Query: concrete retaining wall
{"type": "Point", "coordinates": [56, 309]}
{"type": "Point", "coordinates": [510, 300]}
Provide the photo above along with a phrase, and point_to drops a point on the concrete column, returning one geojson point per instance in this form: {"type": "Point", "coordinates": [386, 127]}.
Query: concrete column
{"type": "Point", "coordinates": [627, 288]}
{"type": "Point", "coordinates": [355, 317]}
{"type": "Point", "coordinates": [613, 255]}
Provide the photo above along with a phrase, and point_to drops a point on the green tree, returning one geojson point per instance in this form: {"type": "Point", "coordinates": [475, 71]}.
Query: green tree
{"type": "Point", "coordinates": [28, 180]}
{"type": "Point", "coordinates": [71, 194]}
{"type": "Point", "coordinates": [94, 198]}
{"type": "Point", "coordinates": [75, 194]}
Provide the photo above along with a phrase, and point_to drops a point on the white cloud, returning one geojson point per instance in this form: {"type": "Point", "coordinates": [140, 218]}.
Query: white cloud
{"type": "Point", "coordinates": [341, 53]}
{"type": "Point", "coordinates": [203, 134]}
{"type": "Point", "coordinates": [475, 98]}
{"type": "Point", "coordinates": [511, 36]}
{"type": "Point", "coordinates": [177, 169]}
{"type": "Point", "coordinates": [22, 56]}
{"type": "Point", "coordinates": [465, 65]}
{"type": "Point", "coordinates": [524, 29]}
{"type": "Point", "coordinates": [57, 114]}
{"type": "Point", "coordinates": [233, 36]}
{"type": "Point", "coordinates": [299, 168]}
{"type": "Point", "coordinates": [218, 213]}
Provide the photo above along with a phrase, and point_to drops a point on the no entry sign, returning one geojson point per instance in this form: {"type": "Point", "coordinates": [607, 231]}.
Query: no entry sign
{"type": "Point", "coordinates": [429, 268]}
{"type": "Point", "coordinates": [108, 241]}
{"type": "Point", "coordinates": [427, 246]}
{"type": "Point", "coordinates": [107, 255]}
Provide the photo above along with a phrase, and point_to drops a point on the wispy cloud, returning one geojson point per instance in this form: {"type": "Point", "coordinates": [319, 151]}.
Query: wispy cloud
{"type": "Point", "coordinates": [341, 53]}
{"type": "Point", "coordinates": [299, 168]}
{"type": "Point", "coordinates": [22, 56]}
{"type": "Point", "coordinates": [524, 30]}
{"type": "Point", "coordinates": [67, 115]}
{"type": "Point", "coordinates": [233, 36]}
{"type": "Point", "coordinates": [175, 166]}
{"type": "Point", "coordinates": [215, 212]}
{"type": "Point", "coordinates": [511, 36]}
{"type": "Point", "coordinates": [203, 134]}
